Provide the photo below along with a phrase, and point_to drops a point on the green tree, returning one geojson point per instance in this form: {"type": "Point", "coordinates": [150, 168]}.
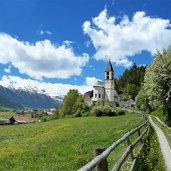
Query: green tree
{"type": "Point", "coordinates": [73, 104]}
{"type": "Point", "coordinates": [142, 101]}
{"type": "Point", "coordinates": [130, 82]}
{"type": "Point", "coordinates": [157, 83]}
{"type": "Point", "coordinates": [70, 101]}
{"type": "Point", "coordinates": [131, 90]}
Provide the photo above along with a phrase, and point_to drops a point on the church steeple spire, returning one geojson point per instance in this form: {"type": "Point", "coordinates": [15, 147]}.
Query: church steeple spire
{"type": "Point", "coordinates": [109, 67]}
{"type": "Point", "coordinates": [109, 72]}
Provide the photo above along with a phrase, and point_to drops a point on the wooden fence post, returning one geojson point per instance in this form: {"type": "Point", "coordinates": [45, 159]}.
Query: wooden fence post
{"type": "Point", "coordinates": [139, 133]}
{"type": "Point", "coordinates": [131, 154]}
{"type": "Point", "coordinates": [103, 165]}
{"type": "Point", "coordinates": [144, 117]}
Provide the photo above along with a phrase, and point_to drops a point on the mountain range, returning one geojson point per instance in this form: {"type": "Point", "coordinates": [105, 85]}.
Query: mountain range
{"type": "Point", "coordinates": [27, 98]}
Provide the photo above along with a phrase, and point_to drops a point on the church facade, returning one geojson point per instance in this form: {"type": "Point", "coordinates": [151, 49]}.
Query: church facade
{"type": "Point", "coordinates": [103, 90]}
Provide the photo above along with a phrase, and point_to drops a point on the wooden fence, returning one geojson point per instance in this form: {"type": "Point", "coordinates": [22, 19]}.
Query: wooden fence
{"type": "Point", "coordinates": [100, 161]}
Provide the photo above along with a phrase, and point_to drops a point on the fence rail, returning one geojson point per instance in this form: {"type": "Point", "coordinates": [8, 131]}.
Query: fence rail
{"type": "Point", "coordinates": [100, 161]}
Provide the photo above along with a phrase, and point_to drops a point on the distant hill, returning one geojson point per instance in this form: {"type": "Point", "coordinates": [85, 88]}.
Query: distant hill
{"type": "Point", "coordinates": [20, 98]}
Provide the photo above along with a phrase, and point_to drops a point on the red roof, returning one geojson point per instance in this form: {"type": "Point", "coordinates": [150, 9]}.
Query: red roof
{"type": "Point", "coordinates": [21, 119]}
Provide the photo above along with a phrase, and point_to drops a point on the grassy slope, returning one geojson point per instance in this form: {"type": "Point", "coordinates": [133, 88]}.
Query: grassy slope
{"type": "Point", "coordinates": [65, 144]}
{"type": "Point", "coordinates": [5, 108]}
{"type": "Point", "coordinates": [7, 115]}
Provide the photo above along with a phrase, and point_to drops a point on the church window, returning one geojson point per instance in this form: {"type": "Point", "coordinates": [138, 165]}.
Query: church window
{"type": "Point", "coordinates": [107, 75]}
{"type": "Point", "coordinates": [95, 95]}
{"type": "Point", "coordinates": [99, 95]}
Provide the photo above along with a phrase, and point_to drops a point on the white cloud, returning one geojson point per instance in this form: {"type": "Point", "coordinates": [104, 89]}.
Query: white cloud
{"type": "Point", "coordinates": [50, 88]}
{"type": "Point", "coordinates": [42, 32]}
{"type": "Point", "coordinates": [8, 69]}
{"type": "Point", "coordinates": [91, 81]}
{"type": "Point", "coordinates": [118, 41]}
{"type": "Point", "coordinates": [42, 59]}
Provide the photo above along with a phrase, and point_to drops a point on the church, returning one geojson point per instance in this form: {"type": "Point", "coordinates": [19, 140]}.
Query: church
{"type": "Point", "coordinates": [103, 90]}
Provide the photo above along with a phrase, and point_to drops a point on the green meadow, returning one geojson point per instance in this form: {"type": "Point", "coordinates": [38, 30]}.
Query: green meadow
{"type": "Point", "coordinates": [63, 144]}
{"type": "Point", "coordinates": [7, 115]}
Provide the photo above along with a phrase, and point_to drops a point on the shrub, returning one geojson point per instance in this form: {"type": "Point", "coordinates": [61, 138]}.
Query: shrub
{"type": "Point", "coordinates": [81, 110]}
{"type": "Point", "coordinates": [78, 113]}
{"type": "Point", "coordinates": [85, 114]}
{"type": "Point", "coordinates": [101, 110]}
{"type": "Point", "coordinates": [121, 112]}
{"type": "Point", "coordinates": [110, 112]}
{"type": "Point", "coordinates": [97, 111]}
{"type": "Point", "coordinates": [150, 158]}
{"type": "Point", "coordinates": [44, 119]}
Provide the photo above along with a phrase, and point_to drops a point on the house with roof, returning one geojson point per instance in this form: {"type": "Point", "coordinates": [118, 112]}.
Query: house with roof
{"type": "Point", "coordinates": [20, 119]}
{"type": "Point", "coordinates": [103, 90]}
{"type": "Point", "coordinates": [4, 121]}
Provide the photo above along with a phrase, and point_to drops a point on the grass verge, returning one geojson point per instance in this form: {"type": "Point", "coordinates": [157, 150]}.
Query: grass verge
{"type": "Point", "coordinates": [150, 159]}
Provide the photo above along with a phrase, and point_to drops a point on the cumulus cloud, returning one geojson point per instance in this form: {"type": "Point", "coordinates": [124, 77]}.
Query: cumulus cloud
{"type": "Point", "coordinates": [119, 41]}
{"type": "Point", "coordinates": [50, 88]}
{"type": "Point", "coordinates": [91, 81]}
{"type": "Point", "coordinates": [41, 59]}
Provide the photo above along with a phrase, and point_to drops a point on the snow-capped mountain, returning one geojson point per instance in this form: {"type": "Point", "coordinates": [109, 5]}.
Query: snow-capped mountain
{"type": "Point", "coordinates": [27, 89]}
{"type": "Point", "coordinates": [27, 97]}
{"type": "Point", "coordinates": [58, 98]}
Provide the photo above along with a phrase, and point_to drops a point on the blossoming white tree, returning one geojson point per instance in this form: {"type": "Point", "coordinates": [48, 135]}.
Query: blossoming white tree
{"type": "Point", "coordinates": [156, 89]}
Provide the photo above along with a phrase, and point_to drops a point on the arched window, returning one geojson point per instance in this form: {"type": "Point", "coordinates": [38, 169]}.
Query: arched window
{"type": "Point", "coordinates": [107, 75]}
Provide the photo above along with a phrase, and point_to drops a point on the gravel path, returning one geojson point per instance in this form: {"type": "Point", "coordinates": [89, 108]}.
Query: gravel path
{"type": "Point", "coordinates": [165, 148]}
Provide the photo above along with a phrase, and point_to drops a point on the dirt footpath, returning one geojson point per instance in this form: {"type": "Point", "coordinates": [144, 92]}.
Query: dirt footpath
{"type": "Point", "coordinates": [165, 148]}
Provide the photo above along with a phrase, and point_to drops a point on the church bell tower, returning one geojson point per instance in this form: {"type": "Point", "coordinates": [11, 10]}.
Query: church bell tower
{"type": "Point", "coordinates": [109, 83]}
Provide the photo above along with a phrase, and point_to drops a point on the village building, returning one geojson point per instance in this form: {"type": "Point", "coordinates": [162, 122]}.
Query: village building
{"type": "Point", "coordinates": [127, 104]}
{"type": "Point", "coordinates": [4, 121]}
{"type": "Point", "coordinates": [20, 119]}
{"type": "Point", "coordinates": [103, 90]}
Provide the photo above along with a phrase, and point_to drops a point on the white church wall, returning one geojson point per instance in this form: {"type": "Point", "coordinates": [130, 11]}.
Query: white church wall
{"type": "Point", "coordinates": [98, 93]}
{"type": "Point", "coordinates": [105, 90]}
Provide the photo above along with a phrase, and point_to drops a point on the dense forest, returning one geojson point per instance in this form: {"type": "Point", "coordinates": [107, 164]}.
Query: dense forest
{"type": "Point", "coordinates": [129, 83]}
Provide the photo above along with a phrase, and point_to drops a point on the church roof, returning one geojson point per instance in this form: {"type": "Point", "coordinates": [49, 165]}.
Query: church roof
{"type": "Point", "coordinates": [89, 93]}
{"type": "Point", "coordinates": [109, 67]}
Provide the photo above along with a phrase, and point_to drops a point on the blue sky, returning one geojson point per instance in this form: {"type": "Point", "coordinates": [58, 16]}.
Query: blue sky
{"type": "Point", "coordinates": [61, 44]}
